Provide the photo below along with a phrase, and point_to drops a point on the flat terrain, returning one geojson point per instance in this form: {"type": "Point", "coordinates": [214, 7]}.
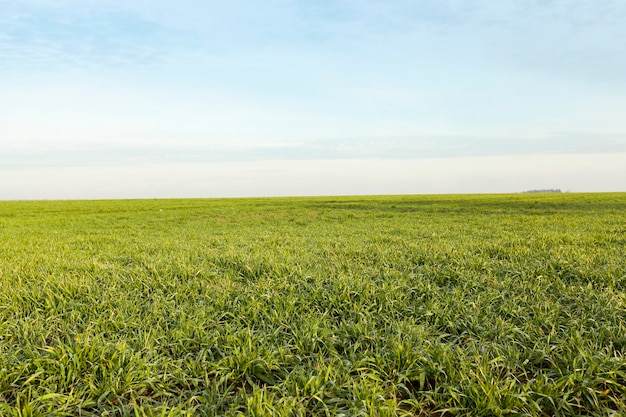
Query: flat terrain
{"type": "Point", "coordinates": [374, 306]}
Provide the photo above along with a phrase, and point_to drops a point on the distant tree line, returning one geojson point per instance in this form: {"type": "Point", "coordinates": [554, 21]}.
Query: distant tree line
{"type": "Point", "coordinates": [547, 190]}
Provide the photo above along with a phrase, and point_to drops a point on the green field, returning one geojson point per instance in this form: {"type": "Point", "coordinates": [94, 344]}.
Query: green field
{"type": "Point", "coordinates": [356, 306]}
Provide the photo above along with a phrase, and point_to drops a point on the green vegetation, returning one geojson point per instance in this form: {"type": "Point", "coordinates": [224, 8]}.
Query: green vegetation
{"type": "Point", "coordinates": [373, 306]}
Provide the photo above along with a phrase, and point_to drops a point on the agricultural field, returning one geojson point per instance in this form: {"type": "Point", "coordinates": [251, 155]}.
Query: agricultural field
{"type": "Point", "coordinates": [350, 306]}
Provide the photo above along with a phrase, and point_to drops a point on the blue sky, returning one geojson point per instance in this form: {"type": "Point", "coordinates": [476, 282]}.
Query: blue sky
{"type": "Point", "coordinates": [108, 99]}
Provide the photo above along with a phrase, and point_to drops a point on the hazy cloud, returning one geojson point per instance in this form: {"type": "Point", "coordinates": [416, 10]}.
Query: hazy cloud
{"type": "Point", "coordinates": [112, 83]}
{"type": "Point", "coordinates": [399, 148]}
{"type": "Point", "coordinates": [49, 36]}
{"type": "Point", "coordinates": [598, 172]}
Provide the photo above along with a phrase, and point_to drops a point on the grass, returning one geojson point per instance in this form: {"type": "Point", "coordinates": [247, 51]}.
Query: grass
{"type": "Point", "coordinates": [357, 306]}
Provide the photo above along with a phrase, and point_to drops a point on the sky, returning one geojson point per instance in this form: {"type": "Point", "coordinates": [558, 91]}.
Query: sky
{"type": "Point", "coordinates": [199, 98]}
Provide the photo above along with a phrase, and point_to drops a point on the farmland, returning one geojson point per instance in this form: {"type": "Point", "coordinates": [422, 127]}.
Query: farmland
{"type": "Point", "coordinates": [375, 306]}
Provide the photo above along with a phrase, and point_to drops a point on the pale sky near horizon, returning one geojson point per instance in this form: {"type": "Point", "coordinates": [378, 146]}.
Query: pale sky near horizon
{"type": "Point", "coordinates": [123, 99]}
